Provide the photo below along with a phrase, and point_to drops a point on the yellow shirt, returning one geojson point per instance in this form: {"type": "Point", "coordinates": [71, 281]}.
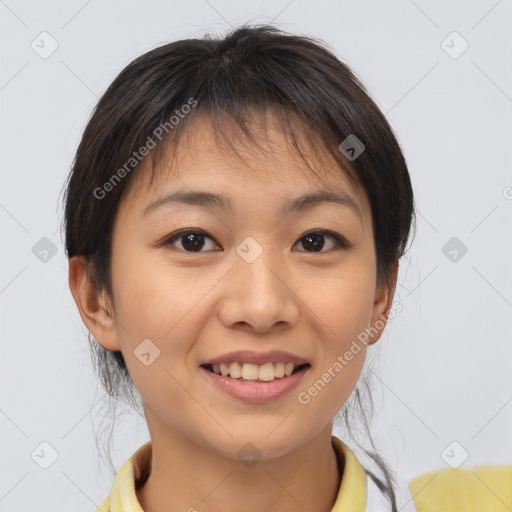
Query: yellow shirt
{"type": "Point", "coordinates": [486, 489]}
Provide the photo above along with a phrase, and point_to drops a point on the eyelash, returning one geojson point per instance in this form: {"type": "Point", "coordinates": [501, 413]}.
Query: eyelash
{"type": "Point", "coordinates": [340, 242]}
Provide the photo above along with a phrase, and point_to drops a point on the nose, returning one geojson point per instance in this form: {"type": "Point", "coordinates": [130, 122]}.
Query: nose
{"type": "Point", "coordinates": [259, 296]}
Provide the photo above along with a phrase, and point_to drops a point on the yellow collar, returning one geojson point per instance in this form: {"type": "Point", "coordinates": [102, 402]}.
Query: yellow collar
{"type": "Point", "coordinates": [351, 495]}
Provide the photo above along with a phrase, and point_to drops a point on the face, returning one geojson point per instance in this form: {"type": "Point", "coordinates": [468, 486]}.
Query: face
{"type": "Point", "coordinates": [195, 281]}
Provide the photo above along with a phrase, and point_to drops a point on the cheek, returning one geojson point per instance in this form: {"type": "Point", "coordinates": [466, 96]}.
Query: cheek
{"type": "Point", "coordinates": [169, 307]}
{"type": "Point", "coordinates": [155, 299]}
{"type": "Point", "coordinates": [343, 352]}
{"type": "Point", "coordinates": [343, 308]}
{"type": "Point", "coordinates": [343, 304]}
{"type": "Point", "coordinates": [156, 304]}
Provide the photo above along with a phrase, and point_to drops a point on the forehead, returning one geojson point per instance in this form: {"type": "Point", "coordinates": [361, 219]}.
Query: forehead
{"type": "Point", "coordinates": [230, 162]}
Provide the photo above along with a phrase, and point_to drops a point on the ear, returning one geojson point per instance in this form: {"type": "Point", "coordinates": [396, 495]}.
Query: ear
{"type": "Point", "coordinates": [383, 301]}
{"type": "Point", "coordinates": [94, 307]}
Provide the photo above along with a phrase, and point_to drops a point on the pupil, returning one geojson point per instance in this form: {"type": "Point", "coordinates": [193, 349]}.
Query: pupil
{"type": "Point", "coordinates": [313, 242]}
{"type": "Point", "coordinates": [189, 243]}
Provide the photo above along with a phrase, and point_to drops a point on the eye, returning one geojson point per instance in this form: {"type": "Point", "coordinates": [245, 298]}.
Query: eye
{"type": "Point", "coordinates": [191, 240]}
{"type": "Point", "coordinates": [315, 240]}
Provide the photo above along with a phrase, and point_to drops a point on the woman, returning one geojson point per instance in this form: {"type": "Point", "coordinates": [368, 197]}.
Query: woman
{"type": "Point", "coordinates": [235, 217]}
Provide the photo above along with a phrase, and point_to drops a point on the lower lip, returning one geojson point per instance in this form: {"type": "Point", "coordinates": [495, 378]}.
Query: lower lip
{"type": "Point", "coordinates": [254, 392]}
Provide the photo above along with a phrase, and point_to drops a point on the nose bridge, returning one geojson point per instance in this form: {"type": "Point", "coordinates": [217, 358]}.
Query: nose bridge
{"type": "Point", "coordinates": [258, 265]}
{"type": "Point", "coordinates": [259, 294]}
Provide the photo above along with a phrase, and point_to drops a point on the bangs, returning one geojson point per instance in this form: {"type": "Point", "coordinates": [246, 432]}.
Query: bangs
{"type": "Point", "coordinates": [238, 135]}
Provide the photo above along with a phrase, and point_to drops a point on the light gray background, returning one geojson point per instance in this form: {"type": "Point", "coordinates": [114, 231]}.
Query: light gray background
{"type": "Point", "coordinates": [443, 363]}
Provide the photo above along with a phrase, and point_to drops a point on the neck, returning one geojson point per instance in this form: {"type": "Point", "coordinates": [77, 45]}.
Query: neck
{"type": "Point", "coordinates": [188, 477]}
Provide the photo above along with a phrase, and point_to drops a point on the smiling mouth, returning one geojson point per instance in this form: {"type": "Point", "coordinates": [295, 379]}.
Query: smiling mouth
{"type": "Point", "coordinates": [267, 372]}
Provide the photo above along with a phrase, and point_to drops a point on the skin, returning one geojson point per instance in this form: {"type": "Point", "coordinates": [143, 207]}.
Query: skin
{"type": "Point", "coordinates": [198, 305]}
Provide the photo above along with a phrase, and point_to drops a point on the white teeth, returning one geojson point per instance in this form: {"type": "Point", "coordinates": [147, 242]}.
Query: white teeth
{"type": "Point", "coordinates": [248, 371]}
{"type": "Point", "coordinates": [266, 372]}
{"type": "Point", "coordinates": [279, 370]}
{"type": "Point", "coordinates": [235, 370]}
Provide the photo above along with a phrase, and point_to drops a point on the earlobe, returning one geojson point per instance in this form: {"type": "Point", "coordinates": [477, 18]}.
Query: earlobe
{"type": "Point", "coordinates": [92, 305]}
{"type": "Point", "coordinates": [382, 305]}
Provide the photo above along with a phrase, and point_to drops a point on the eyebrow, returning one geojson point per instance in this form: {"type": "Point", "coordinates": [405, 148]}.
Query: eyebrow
{"type": "Point", "coordinates": [220, 202]}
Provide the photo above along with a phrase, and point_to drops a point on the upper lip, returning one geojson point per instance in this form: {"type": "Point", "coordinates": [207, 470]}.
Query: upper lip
{"type": "Point", "coordinates": [248, 356]}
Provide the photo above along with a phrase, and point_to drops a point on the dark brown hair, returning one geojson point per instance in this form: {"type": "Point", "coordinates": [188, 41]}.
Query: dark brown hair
{"type": "Point", "coordinates": [252, 71]}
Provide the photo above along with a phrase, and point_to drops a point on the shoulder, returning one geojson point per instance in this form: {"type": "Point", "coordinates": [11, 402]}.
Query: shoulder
{"type": "Point", "coordinates": [485, 488]}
